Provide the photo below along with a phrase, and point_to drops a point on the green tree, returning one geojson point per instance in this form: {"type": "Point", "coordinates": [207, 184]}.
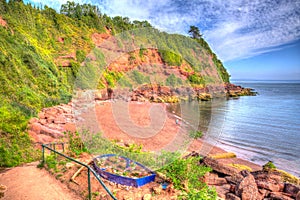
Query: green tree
{"type": "Point", "coordinates": [195, 32]}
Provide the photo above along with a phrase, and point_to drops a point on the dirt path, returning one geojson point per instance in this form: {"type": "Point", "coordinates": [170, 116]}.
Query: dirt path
{"type": "Point", "coordinates": [31, 183]}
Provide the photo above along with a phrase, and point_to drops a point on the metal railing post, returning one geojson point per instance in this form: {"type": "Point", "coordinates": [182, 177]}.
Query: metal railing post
{"type": "Point", "coordinates": [82, 164]}
{"type": "Point", "coordinates": [89, 184]}
{"type": "Point", "coordinates": [43, 152]}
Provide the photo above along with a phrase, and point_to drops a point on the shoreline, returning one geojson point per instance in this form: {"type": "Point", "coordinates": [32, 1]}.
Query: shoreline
{"type": "Point", "coordinates": [112, 131]}
{"type": "Point", "coordinates": [41, 130]}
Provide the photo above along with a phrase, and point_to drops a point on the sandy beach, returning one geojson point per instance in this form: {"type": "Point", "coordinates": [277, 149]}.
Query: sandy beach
{"type": "Point", "coordinates": [168, 135]}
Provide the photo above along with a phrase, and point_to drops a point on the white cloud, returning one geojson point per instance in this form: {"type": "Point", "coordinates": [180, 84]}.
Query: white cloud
{"type": "Point", "coordinates": [235, 29]}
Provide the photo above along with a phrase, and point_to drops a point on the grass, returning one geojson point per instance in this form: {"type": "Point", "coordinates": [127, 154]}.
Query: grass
{"type": "Point", "coordinates": [185, 175]}
{"type": "Point", "coordinates": [287, 177]}
{"type": "Point", "coordinates": [240, 167]}
{"type": "Point", "coordinates": [223, 155]}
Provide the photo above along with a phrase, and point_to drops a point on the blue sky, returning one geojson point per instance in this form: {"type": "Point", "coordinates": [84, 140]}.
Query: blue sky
{"type": "Point", "coordinates": [257, 39]}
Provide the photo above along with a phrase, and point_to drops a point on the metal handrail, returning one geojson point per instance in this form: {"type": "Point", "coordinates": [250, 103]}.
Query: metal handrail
{"type": "Point", "coordinates": [82, 164]}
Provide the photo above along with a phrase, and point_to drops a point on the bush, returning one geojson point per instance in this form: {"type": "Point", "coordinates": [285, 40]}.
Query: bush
{"type": "Point", "coordinates": [173, 81]}
{"type": "Point", "coordinates": [170, 58]}
{"type": "Point", "coordinates": [195, 134]}
{"type": "Point", "coordinates": [80, 56]}
{"type": "Point", "coordinates": [185, 175]}
{"type": "Point", "coordinates": [269, 166]}
{"type": "Point", "coordinates": [196, 79]}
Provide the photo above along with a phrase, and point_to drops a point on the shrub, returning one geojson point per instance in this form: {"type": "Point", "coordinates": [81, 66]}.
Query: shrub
{"type": "Point", "coordinates": [170, 58]}
{"type": "Point", "coordinates": [195, 134]}
{"type": "Point", "coordinates": [185, 175]}
{"type": "Point", "coordinates": [80, 56]}
{"type": "Point", "coordinates": [269, 165]}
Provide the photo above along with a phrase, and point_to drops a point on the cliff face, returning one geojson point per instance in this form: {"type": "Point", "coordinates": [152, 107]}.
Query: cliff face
{"type": "Point", "coordinates": [42, 52]}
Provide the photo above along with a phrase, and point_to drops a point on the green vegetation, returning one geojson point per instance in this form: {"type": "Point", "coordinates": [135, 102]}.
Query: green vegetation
{"type": "Point", "coordinates": [170, 58]}
{"type": "Point", "coordinates": [33, 48]}
{"type": "Point", "coordinates": [240, 167]}
{"type": "Point", "coordinates": [185, 174]}
{"type": "Point", "coordinates": [173, 81]}
{"type": "Point", "coordinates": [269, 166]}
{"type": "Point", "coordinates": [75, 143]}
{"type": "Point", "coordinates": [223, 155]}
{"type": "Point", "coordinates": [195, 134]}
{"type": "Point", "coordinates": [195, 32]}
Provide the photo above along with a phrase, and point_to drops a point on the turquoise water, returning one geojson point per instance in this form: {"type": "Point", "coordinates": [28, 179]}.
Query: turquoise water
{"type": "Point", "coordinates": [258, 128]}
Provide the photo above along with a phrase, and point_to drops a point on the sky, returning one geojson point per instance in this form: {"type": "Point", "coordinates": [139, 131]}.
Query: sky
{"type": "Point", "coordinates": [255, 39]}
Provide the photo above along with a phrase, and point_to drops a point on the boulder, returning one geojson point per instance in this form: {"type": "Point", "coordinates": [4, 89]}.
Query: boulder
{"type": "Point", "coordinates": [263, 193]}
{"type": "Point", "coordinates": [60, 120]}
{"type": "Point", "coordinates": [36, 127]}
{"type": "Point", "coordinates": [291, 189]}
{"type": "Point", "coordinates": [279, 196]}
{"type": "Point", "coordinates": [247, 188]}
{"type": "Point", "coordinates": [235, 178]}
{"type": "Point", "coordinates": [45, 138]}
{"type": "Point", "coordinates": [223, 190]}
{"type": "Point", "coordinates": [43, 121]}
{"type": "Point", "coordinates": [33, 120]}
{"type": "Point", "coordinates": [50, 132]}
{"type": "Point", "coordinates": [41, 115]}
{"type": "Point", "coordinates": [231, 196]}
{"type": "Point", "coordinates": [219, 167]}
{"type": "Point", "coordinates": [33, 136]}
{"type": "Point", "coordinates": [269, 180]}
{"type": "Point", "coordinates": [213, 179]}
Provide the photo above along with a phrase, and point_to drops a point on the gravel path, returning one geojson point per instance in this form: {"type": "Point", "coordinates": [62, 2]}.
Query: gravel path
{"type": "Point", "coordinates": [31, 183]}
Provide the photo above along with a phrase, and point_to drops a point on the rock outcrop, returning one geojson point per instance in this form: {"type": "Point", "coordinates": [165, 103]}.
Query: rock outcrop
{"type": "Point", "coordinates": [51, 124]}
{"type": "Point", "coordinates": [235, 185]}
{"type": "Point", "coordinates": [236, 90]}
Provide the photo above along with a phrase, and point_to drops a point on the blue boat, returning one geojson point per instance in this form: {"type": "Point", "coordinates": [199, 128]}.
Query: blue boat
{"type": "Point", "coordinates": [122, 170]}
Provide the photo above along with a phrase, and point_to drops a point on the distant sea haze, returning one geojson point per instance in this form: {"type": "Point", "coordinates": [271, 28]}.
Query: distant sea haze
{"type": "Point", "coordinates": [260, 128]}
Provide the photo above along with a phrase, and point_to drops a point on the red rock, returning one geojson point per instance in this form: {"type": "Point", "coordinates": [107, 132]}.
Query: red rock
{"type": "Point", "coordinates": [33, 120]}
{"type": "Point", "coordinates": [3, 22]}
{"type": "Point", "coordinates": [235, 178]}
{"type": "Point", "coordinates": [60, 120]}
{"type": "Point", "coordinates": [247, 188]}
{"type": "Point", "coordinates": [222, 190]}
{"type": "Point", "coordinates": [50, 119]}
{"type": "Point", "coordinates": [230, 196]}
{"type": "Point", "coordinates": [33, 136]}
{"type": "Point", "coordinates": [213, 179]}
{"type": "Point", "coordinates": [263, 192]}
{"type": "Point", "coordinates": [274, 187]}
{"type": "Point", "coordinates": [298, 196]}
{"type": "Point", "coordinates": [57, 127]}
{"type": "Point", "coordinates": [70, 127]}
{"type": "Point", "coordinates": [269, 180]}
{"type": "Point", "coordinates": [219, 167]}
{"type": "Point", "coordinates": [51, 112]}
{"type": "Point", "coordinates": [35, 127]}
{"type": "Point", "coordinates": [60, 39]}
{"type": "Point", "coordinates": [291, 189]}
{"type": "Point", "coordinates": [264, 175]}
{"type": "Point", "coordinates": [50, 132]}
{"type": "Point", "coordinates": [43, 121]}
{"type": "Point", "coordinates": [41, 115]}
{"type": "Point", "coordinates": [279, 196]}
{"type": "Point", "coordinates": [45, 138]}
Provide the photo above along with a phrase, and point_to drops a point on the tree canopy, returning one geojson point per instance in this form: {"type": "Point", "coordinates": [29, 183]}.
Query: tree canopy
{"type": "Point", "coordinates": [195, 32]}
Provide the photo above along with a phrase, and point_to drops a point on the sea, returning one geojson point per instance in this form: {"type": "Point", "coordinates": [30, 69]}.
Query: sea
{"type": "Point", "coordinates": [258, 128]}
